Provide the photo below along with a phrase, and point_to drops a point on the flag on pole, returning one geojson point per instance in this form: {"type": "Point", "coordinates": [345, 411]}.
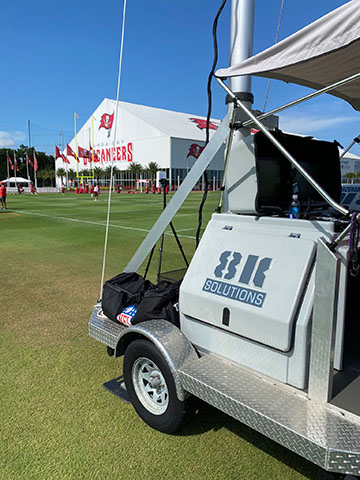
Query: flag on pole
{"type": "Point", "coordinates": [70, 151]}
{"type": "Point", "coordinates": [15, 162]}
{"type": "Point", "coordinates": [83, 153]}
{"type": "Point", "coordinates": [36, 166]}
{"type": "Point", "coordinates": [76, 115]}
{"type": "Point", "coordinates": [195, 150]}
{"type": "Point", "coordinates": [9, 161]}
{"type": "Point", "coordinates": [28, 161]}
{"type": "Point", "coordinates": [94, 155]}
{"type": "Point", "coordinates": [58, 154]}
{"type": "Point", "coordinates": [106, 121]}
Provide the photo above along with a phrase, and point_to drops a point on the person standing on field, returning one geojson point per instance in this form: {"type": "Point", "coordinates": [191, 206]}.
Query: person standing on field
{"type": "Point", "coordinates": [3, 196]}
{"type": "Point", "coordinates": [96, 192]}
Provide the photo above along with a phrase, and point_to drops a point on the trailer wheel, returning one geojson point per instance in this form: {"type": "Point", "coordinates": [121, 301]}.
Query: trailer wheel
{"type": "Point", "coordinates": [151, 387]}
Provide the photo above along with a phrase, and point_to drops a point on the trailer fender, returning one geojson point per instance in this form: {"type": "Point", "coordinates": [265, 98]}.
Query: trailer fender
{"type": "Point", "coordinates": [168, 339]}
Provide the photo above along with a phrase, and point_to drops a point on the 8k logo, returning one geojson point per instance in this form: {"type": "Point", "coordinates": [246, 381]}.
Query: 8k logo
{"type": "Point", "coordinates": [253, 271]}
{"type": "Point", "coordinates": [230, 260]}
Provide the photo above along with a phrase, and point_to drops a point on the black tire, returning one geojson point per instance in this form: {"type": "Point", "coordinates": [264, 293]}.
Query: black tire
{"type": "Point", "coordinates": [151, 387]}
{"type": "Point", "coordinates": [110, 351]}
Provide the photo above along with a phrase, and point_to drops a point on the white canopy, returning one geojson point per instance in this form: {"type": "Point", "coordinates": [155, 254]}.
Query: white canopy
{"type": "Point", "coordinates": [323, 53]}
{"type": "Point", "coordinates": [17, 180]}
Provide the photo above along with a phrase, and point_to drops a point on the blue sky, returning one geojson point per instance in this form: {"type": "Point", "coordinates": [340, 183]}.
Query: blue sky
{"type": "Point", "coordinates": [62, 56]}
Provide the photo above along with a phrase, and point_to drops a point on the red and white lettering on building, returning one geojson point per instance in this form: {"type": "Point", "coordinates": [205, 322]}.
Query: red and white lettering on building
{"type": "Point", "coordinates": [117, 154]}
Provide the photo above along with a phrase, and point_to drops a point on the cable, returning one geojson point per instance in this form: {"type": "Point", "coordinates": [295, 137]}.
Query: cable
{"type": "Point", "coordinates": [112, 162]}
{"type": "Point", "coordinates": [354, 266]}
{"type": "Point", "coordinates": [211, 74]}
{"type": "Point", "coordinates": [276, 39]}
{"type": "Point", "coordinates": [50, 129]}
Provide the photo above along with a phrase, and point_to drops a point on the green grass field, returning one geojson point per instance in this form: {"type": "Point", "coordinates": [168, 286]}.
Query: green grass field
{"type": "Point", "coordinates": [57, 422]}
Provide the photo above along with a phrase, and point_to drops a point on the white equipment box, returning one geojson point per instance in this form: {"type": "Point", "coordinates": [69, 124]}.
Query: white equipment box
{"type": "Point", "coordinates": [239, 282]}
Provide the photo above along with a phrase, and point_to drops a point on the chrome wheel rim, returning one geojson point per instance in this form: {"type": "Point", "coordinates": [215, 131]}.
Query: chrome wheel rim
{"type": "Point", "coordinates": [150, 386]}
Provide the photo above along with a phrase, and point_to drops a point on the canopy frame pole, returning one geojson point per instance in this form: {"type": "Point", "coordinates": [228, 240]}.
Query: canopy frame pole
{"type": "Point", "coordinates": [294, 102]}
{"type": "Point", "coordinates": [286, 154]}
{"type": "Point", "coordinates": [356, 140]}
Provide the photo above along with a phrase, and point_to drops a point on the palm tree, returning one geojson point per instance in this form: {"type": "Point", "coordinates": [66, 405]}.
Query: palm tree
{"type": "Point", "coordinates": [107, 173]}
{"type": "Point", "coordinates": [350, 176]}
{"type": "Point", "coordinates": [71, 174]}
{"type": "Point", "coordinates": [98, 172]}
{"type": "Point", "coordinates": [50, 174]}
{"type": "Point", "coordinates": [61, 172]}
{"type": "Point", "coordinates": [46, 174]}
{"type": "Point", "coordinates": [152, 169]}
{"type": "Point", "coordinates": [135, 169]}
{"type": "Point", "coordinates": [40, 174]}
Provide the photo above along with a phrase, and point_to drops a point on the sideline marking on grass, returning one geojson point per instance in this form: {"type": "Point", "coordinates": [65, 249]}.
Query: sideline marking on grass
{"type": "Point", "coordinates": [185, 229]}
{"type": "Point", "coordinates": [77, 220]}
{"type": "Point", "coordinates": [9, 215]}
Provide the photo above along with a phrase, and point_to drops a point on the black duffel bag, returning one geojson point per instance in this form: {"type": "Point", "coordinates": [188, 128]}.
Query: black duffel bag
{"type": "Point", "coordinates": [160, 301]}
{"type": "Point", "coordinates": [121, 291]}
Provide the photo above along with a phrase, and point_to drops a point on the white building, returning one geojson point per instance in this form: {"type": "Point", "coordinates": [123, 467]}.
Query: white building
{"type": "Point", "coordinates": [143, 134]}
{"type": "Point", "coordinates": [350, 163]}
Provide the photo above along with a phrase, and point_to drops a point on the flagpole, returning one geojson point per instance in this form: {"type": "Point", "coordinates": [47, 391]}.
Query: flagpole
{"type": "Point", "coordinates": [7, 163]}
{"type": "Point", "coordinates": [67, 165]}
{"type": "Point", "coordinates": [15, 168]}
{"type": "Point", "coordinates": [27, 167]}
{"type": "Point", "coordinates": [76, 147]}
{"type": "Point", "coordinates": [92, 141]}
{"type": "Point", "coordinates": [35, 178]}
{"type": "Point", "coordinates": [89, 159]}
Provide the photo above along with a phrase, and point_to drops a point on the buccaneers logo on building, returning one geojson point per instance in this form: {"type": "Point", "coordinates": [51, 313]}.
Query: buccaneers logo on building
{"type": "Point", "coordinates": [201, 123]}
{"type": "Point", "coordinates": [106, 122]}
{"type": "Point", "coordinates": [195, 150]}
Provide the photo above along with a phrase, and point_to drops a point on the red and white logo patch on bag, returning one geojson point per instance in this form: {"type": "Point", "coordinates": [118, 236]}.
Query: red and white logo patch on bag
{"type": "Point", "coordinates": [126, 316]}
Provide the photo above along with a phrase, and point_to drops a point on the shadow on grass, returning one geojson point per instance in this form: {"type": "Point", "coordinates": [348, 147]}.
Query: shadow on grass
{"type": "Point", "coordinates": [209, 418]}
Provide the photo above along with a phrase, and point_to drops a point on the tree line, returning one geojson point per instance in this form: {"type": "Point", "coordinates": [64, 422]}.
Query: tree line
{"type": "Point", "coordinates": [46, 164]}
{"type": "Point", "coordinates": [46, 167]}
{"type": "Point", "coordinates": [351, 176]}
{"type": "Point", "coordinates": [136, 169]}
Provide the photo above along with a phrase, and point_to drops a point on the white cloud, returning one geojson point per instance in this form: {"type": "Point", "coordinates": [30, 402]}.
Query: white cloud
{"type": "Point", "coordinates": [5, 141]}
{"type": "Point", "coordinates": [308, 124]}
{"type": "Point", "coordinates": [11, 139]}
